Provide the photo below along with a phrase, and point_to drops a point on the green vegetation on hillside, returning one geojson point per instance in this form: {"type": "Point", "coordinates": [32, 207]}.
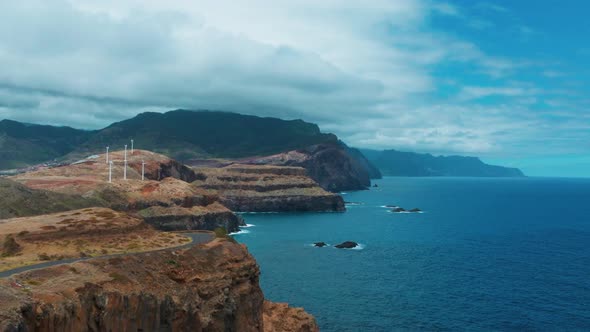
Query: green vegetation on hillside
{"type": "Point", "coordinates": [194, 134]}
{"type": "Point", "coordinates": [26, 144]}
{"type": "Point", "coordinates": [20, 201]}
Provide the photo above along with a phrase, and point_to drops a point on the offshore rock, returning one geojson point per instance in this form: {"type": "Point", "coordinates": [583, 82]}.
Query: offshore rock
{"type": "Point", "coordinates": [347, 245]}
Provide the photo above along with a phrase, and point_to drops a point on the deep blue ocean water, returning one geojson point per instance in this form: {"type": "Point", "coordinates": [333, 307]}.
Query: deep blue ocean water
{"type": "Point", "coordinates": [487, 254]}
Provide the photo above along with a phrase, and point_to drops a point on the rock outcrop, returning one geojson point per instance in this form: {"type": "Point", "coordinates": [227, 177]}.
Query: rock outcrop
{"type": "Point", "coordinates": [250, 188]}
{"type": "Point", "coordinates": [281, 317]}
{"type": "Point", "coordinates": [177, 218]}
{"type": "Point", "coordinates": [347, 245]}
{"type": "Point", "coordinates": [209, 287]}
{"type": "Point", "coordinates": [330, 165]}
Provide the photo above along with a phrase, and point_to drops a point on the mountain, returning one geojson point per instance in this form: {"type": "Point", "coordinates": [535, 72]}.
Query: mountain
{"type": "Point", "coordinates": [397, 163]}
{"type": "Point", "coordinates": [188, 135]}
{"type": "Point", "coordinates": [24, 144]}
{"type": "Point", "coordinates": [184, 135]}
{"type": "Point", "coordinates": [374, 172]}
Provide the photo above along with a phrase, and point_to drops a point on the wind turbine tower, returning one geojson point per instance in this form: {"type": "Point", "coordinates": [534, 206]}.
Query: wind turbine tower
{"type": "Point", "coordinates": [132, 147]}
{"type": "Point", "coordinates": [110, 171]}
{"type": "Point", "coordinates": [142, 170]}
{"type": "Point", "coordinates": [107, 154]}
{"type": "Point", "coordinates": [125, 167]}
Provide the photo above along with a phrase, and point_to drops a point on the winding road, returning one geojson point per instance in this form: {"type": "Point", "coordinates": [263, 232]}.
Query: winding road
{"type": "Point", "coordinates": [197, 238]}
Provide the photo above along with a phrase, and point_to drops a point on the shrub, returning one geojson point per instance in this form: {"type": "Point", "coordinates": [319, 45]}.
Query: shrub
{"type": "Point", "coordinates": [10, 247]}
{"type": "Point", "coordinates": [119, 277]}
{"type": "Point", "coordinates": [221, 232]}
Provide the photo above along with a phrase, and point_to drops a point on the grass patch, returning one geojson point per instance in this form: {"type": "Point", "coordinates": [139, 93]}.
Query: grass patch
{"type": "Point", "coordinates": [221, 233]}
{"type": "Point", "coordinates": [133, 246]}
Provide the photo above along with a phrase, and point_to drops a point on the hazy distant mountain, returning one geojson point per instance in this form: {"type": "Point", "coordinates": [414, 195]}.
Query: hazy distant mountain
{"type": "Point", "coordinates": [397, 163]}
{"type": "Point", "coordinates": [25, 144]}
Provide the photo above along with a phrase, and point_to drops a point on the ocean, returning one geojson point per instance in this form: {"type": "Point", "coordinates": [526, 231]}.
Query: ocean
{"type": "Point", "coordinates": [486, 254]}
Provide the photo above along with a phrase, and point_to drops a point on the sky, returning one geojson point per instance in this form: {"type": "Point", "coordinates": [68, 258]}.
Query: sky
{"type": "Point", "coordinates": [507, 81]}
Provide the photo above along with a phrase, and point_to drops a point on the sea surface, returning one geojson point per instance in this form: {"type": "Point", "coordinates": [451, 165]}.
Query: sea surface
{"type": "Point", "coordinates": [486, 254]}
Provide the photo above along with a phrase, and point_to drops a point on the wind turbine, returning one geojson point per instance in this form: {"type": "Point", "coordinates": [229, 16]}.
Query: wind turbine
{"type": "Point", "coordinates": [125, 168]}
{"type": "Point", "coordinates": [107, 154]}
{"type": "Point", "coordinates": [132, 147]}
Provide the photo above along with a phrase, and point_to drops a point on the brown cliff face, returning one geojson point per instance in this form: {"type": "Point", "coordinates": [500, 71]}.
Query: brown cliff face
{"type": "Point", "coordinates": [281, 317]}
{"type": "Point", "coordinates": [330, 165]}
{"type": "Point", "coordinates": [209, 287]}
{"type": "Point", "coordinates": [262, 188]}
{"type": "Point", "coordinates": [178, 218]}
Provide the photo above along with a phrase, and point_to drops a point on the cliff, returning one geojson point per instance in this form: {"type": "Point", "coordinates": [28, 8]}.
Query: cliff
{"type": "Point", "coordinates": [78, 233]}
{"type": "Point", "coordinates": [397, 163]}
{"type": "Point", "coordinates": [209, 287]}
{"type": "Point", "coordinates": [330, 165]}
{"type": "Point", "coordinates": [178, 218]}
{"type": "Point", "coordinates": [262, 188]}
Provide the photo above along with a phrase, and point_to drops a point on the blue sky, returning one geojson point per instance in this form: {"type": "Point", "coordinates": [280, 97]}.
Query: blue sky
{"type": "Point", "coordinates": [548, 44]}
{"type": "Point", "coordinates": [549, 41]}
{"type": "Point", "coordinates": [507, 81]}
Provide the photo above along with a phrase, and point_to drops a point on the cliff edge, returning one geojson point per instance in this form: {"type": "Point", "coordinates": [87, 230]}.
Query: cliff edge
{"type": "Point", "coordinates": [208, 287]}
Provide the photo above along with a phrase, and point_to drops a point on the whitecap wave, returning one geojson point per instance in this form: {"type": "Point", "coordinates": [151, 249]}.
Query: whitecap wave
{"type": "Point", "coordinates": [242, 231]}
{"type": "Point", "coordinates": [247, 225]}
{"type": "Point", "coordinates": [360, 246]}
{"type": "Point", "coordinates": [314, 246]}
{"type": "Point", "coordinates": [405, 212]}
{"type": "Point", "coordinates": [259, 212]}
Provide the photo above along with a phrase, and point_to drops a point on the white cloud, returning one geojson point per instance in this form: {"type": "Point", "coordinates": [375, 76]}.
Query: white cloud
{"type": "Point", "coordinates": [477, 92]}
{"type": "Point", "coordinates": [364, 70]}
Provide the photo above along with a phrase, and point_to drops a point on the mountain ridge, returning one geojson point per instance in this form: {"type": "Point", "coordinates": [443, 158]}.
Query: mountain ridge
{"type": "Point", "coordinates": [400, 163]}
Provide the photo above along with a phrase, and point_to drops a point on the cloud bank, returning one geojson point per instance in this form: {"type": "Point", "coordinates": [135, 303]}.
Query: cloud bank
{"type": "Point", "coordinates": [379, 74]}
